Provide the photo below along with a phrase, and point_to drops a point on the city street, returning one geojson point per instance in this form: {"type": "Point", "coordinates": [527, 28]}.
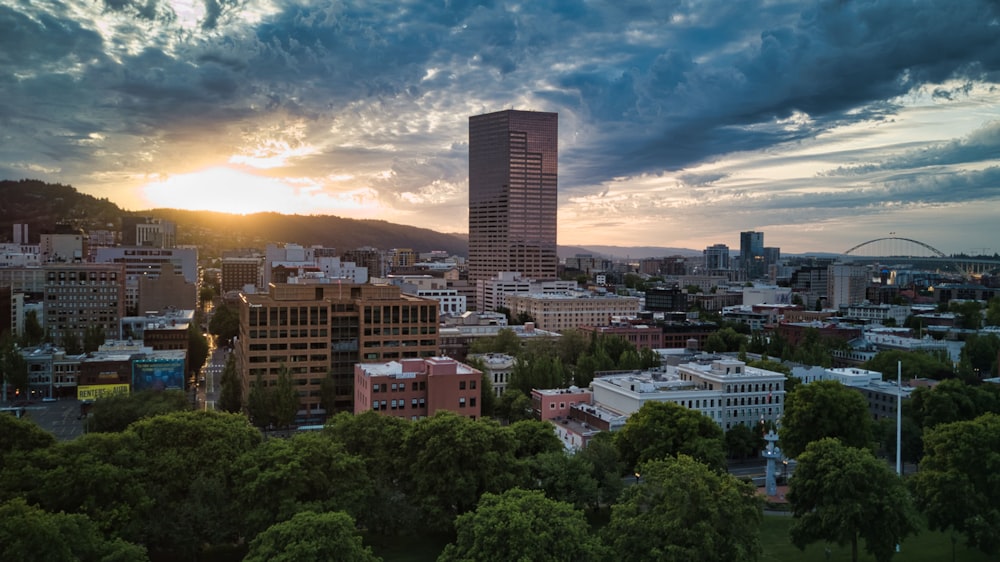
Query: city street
{"type": "Point", "coordinates": [208, 391]}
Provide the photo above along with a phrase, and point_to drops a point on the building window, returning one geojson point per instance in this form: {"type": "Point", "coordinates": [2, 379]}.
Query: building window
{"type": "Point", "coordinates": [461, 402]}
{"type": "Point", "coordinates": [461, 385]}
{"type": "Point", "coordinates": [472, 402]}
{"type": "Point", "coordinates": [472, 385]}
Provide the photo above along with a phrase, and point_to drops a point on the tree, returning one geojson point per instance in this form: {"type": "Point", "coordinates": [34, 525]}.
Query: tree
{"type": "Point", "coordinates": [979, 357]}
{"type": "Point", "coordinates": [606, 467]}
{"type": "Point", "coordinates": [94, 475]}
{"type": "Point", "coordinates": [522, 525]}
{"type": "Point", "coordinates": [455, 460]}
{"type": "Point", "coordinates": [71, 343]}
{"type": "Point", "coordinates": [231, 392]}
{"type": "Point", "coordinates": [93, 338]}
{"type": "Point", "coordinates": [33, 333]}
{"type": "Point", "coordinates": [844, 494]}
{"type": "Point", "coordinates": [21, 435]}
{"type": "Point", "coordinates": [28, 533]}
{"type": "Point", "coordinates": [185, 461]}
{"type": "Point", "coordinates": [993, 312]}
{"type": "Point", "coordinates": [225, 323]}
{"type": "Point", "coordinates": [310, 536]}
{"type": "Point", "coordinates": [197, 349]}
{"type": "Point", "coordinates": [13, 367]}
{"type": "Point", "coordinates": [377, 440]}
{"type": "Point", "coordinates": [684, 511]}
{"type": "Point", "coordinates": [285, 399]}
{"type": "Point", "coordinates": [824, 409]}
{"type": "Point", "coordinates": [741, 442]}
{"type": "Point", "coordinates": [563, 477]}
{"type": "Point", "coordinates": [118, 411]}
{"type": "Point", "coordinates": [971, 313]}
{"type": "Point", "coordinates": [951, 401]}
{"type": "Point", "coordinates": [915, 364]}
{"type": "Point", "coordinates": [956, 487]}
{"type": "Point", "coordinates": [769, 365]}
{"type": "Point", "coordinates": [309, 472]}
{"type": "Point", "coordinates": [505, 341]}
{"type": "Point", "coordinates": [259, 403]}
{"type": "Point", "coordinates": [664, 429]}
{"type": "Point", "coordinates": [534, 437]}
{"type": "Point", "coordinates": [513, 406]}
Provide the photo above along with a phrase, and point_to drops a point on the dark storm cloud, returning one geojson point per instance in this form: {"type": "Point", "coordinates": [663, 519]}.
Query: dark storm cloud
{"type": "Point", "coordinates": [384, 88]}
{"type": "Point", "coordinates": [983, 144]}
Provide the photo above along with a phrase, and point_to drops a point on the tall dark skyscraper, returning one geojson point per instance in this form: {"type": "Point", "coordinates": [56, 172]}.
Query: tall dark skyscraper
{"type": "Point", "coordinates": [513, 184]}
{"type": "Point", "coordinates": [752, 254]}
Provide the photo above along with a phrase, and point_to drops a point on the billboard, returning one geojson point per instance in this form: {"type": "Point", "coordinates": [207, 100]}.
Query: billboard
{"type": "Point", "coordinates": [158, 374]}
{"type": "Point", "coordinates": [95, 391]}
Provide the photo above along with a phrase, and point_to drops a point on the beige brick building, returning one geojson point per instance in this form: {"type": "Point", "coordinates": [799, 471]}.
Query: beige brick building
{"type": "Point", "coordinates": [571, 310]}
{"type": "Point", "coordinates": [320, 330]}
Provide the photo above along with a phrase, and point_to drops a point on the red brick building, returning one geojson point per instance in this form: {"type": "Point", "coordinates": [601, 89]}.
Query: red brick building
{"type": "Point", "coordinates": [417, 388]}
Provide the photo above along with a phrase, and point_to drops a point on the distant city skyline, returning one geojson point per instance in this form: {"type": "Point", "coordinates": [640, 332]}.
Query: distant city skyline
{"type": "Point", "coordinates": [821, 124]}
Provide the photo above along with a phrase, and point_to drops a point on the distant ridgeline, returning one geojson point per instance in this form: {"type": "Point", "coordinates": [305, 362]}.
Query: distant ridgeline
{"type": "Point", "coordinates": [42, 206]}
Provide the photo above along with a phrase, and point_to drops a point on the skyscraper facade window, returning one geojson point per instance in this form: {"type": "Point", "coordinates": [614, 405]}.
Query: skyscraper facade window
{"type": "Point", "coordinates": [752, 254]}
{"type": "Point", "coordinates": [513, 183]}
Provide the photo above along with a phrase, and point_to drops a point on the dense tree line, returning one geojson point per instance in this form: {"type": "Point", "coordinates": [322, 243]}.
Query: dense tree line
{"type": "Point", "coordinates": [172, 484]}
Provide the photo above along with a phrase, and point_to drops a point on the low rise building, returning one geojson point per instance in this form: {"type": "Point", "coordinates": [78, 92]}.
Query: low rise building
{"type": "Point", "coordinates": [417, 388]}
{"type": "Point", "coordinates": [564, 311]}
{"type": "Point", "coordinates": [725, 390]}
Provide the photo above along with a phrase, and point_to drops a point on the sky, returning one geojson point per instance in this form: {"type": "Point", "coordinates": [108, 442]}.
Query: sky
{"type": "Point", "coordinates": [681, 123]}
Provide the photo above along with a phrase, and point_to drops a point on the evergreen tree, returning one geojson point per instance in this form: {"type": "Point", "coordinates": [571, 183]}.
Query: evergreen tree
{"type": "Point", "coordinates": [231, 392]}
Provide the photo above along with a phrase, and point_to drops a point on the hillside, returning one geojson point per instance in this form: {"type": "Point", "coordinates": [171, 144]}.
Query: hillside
{"type": "Point", "coordinates": [42, 206]}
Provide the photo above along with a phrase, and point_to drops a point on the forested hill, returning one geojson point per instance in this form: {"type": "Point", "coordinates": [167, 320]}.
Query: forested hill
{"type": "Point", "coordinates": [42, 206]}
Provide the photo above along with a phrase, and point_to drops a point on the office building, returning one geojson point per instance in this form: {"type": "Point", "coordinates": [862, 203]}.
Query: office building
{"type": "Point", "coordinates": [716, 257]}
{"type": "Point", "coordinates": [418, 388]}
{"type": "Point", "coordinates": [82, 297]}
{"type": "Point", "coordinates": [846, 285]}
{"type": "Point", "coordinates": [752, 254]}
{"type": "Point", "coordinates": [319, 330]}
{"type": "Point", "coordinates": [513, 183]}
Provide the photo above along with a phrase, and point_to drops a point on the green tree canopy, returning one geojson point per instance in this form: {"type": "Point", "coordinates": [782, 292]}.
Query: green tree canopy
{"type": "Point", "coordinates": [845, 495]}
{"type": "Point", "coordinates": [29, 534]}
{"type": "Point", "coordinates": [21, 435]}
{"type": "Point", "coordinates": [534, 437]}
{"type": "Point", "coordinates": [521, 525]}
{"type": "Point", "coordinates": [13, 367]}
{"type": "Point", "coordinates": [225, 323]}
{"type": "Point", "coordinates": [310, 536]}
{"type": "Point", "coordinates": [118, 411]}
{"type": "Point", "coordinates": [951, 401]}
{"type": "Point", "coordinates": [309, 472]}
{"type": "Point", "coordinates": [197, 349]}
{"type": "Point", "coordinates": [915, 364]}
{"type": "Point", "coordinates": [454, 461]}
{"type": "Point", "coordinates": [741, 441]}
{"type": "Point", "coordinates": [185, 460]}
{"type": "Point", "coordinates": [957, 487]}
{"type": "Point", "coordinates": [824, 409]}
{"type": "Point", "coordinates": [685, 512]}
{"type": "Point", "coordinates": [93, 475]}
{"type": "Point", "coordinates": [664, 429]}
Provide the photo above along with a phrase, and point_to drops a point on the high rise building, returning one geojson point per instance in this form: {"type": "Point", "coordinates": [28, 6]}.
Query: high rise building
{"type": "Point", "coordinates": [752, 254]}
{"type": "Point", "coordinates": [513, 183]}
{"type": "Point", "coordinates": [716, 257]}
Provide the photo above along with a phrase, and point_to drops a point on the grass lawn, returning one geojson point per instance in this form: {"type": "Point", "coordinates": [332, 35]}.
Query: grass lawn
{"type": "Point", "coordinates": [928, 546]}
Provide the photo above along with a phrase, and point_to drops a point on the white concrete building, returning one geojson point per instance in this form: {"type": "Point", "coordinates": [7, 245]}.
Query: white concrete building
{"type": "Point", "coordinates": [725, 390]}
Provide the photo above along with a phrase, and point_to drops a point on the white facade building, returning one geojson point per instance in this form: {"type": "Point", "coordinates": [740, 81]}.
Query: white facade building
{"type": "Point", "coordinates": [725, 390]}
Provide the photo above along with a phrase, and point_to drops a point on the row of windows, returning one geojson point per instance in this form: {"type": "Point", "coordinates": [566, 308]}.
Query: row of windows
{"type": "Point", "coordinates": [311, 333]}
{"type": "Point", "coordinates": [397, 404]}
{"type": "Point", "coordinates": [399, 387]}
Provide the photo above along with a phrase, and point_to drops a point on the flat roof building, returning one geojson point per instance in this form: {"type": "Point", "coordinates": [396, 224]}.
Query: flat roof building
{"type": "Point", "coordinates": [418, 388]}
{"type": "Point", "coordinates": [513, 184]}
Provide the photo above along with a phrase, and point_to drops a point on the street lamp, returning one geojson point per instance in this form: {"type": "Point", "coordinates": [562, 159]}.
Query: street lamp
{"type": "Point", "coordinates": [637, 475]}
